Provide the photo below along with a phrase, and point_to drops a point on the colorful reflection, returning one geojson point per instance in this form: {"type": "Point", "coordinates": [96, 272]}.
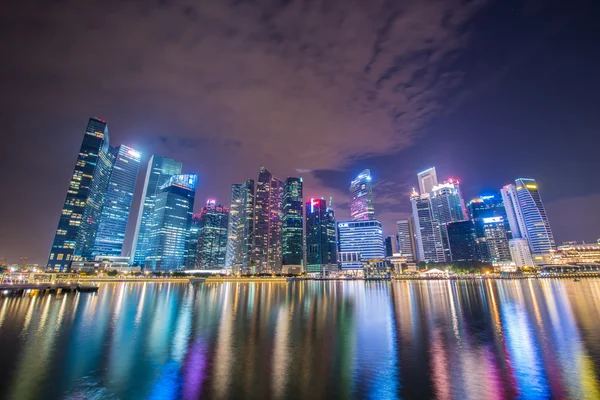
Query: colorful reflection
{"type": "Point", "coordinates": [435, 339]}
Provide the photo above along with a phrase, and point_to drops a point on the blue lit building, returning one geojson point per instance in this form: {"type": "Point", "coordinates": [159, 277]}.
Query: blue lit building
{"type": "Point", "coordinates": [364, 238]}
{"type": "Point", "coordinates": [321, 252]}
{"type": "Point", "coordinates": [428, 233]}
{"type": "Point", "coordinates": [212, 236]}
{"type": "Point", "coordinates": [491, 206]}
{"type": "Point", "coordinates": [361, 197]}
{"type": "Point", "coordinates": [160, 170]}
{"type": "Point", "coordinates": [293, 254]}
{"type": "Point", "coordinates": [171, 217]}
{"type": "Point", "coordinates": [537, 226]}
{"type": "Point", "coordinates": [193, 242]}
{"type": "Point", "coordinates": [240, 232]}
{"type": "Point", "coordinates": [117, 203]}
{"type": "Point", "coordinates": [461, 237]}
{"type": "Point", "coordinates": [85, 196]}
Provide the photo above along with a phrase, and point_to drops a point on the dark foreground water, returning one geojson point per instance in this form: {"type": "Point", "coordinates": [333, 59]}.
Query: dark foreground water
{"type": "Point", "coordinates": [477, 340]}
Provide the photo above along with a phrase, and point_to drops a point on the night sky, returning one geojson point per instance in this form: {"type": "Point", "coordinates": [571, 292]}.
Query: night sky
{"type": "Point", "coordinates": [485, 91]}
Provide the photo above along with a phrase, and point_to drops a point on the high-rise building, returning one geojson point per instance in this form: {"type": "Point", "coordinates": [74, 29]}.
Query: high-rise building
{"type": "Point", "coordinates": [427, 180]}
{"type": "Point", "coordinates": [539, 234]}
{"type": "Point", "coordinates": [447, 206]}
{"type": "Point", "coordinates": [117, 203]}
{"type": "Point", "coordinates": [361, 197]}
{"type": "Point", "coordinates": [513, 211]}
{"type": "Point", "coordinates": [293, 253]}
{"type": "Point", "coordinates": [405, 239]}
{"type": "Point", "coordinates": [428, 235]}
{"type": "Point", "coordinates": [461, 236]}
{"type": "Point", "coordinates": [389, 246]}
{"type": "Point", "coordinates": [520, 253]}
{"type": "Point", "coordinates": [496, 238]}
{"type": "Point", "coordinates": [84, 198]}
{"type": "Point", "coordinates": [193, 242]}
{"type": "Point", "coordinates": [212, 236]}
{"type": "Point", "coordinates": [160, 170]}
{"type": "Point", "coordinates": [321, 252]}
{"type": "Point", "coordinates": [268, 235]}
{"type": "Point", "coordinates": [240, 241]}
{"type": "Point", "coordinates": [364, 238]}
{"type": "Point", "coordinates": [169, 234]}
{"type": "Point", "coordinates": [486, 207]}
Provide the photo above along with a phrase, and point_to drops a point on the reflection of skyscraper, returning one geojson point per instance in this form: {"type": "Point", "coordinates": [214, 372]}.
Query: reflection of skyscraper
{"type": "Point", "coordinates": [82, 194]}
{"type": "Point", "coordinates": [427, 180]}
{"type": "Point", "coordinates": [117, 203]}
{"type": "Point", "coordinates": [406, 239]}
{"type": "Point", "coordinates": [171, 221]}
{"type": "Point", "coordinates": [361, 197]}
{"type": "Point", "coordinates": [159, 170]}
{"type": "Point", "coordinates": [321, 254]}
{"type": "Point", "coordinates": [268, 234]}
{"type": "Point", "coordinates": [240, 236]}
{"type": "Point", "coordinates": [428, 234]}
{"type": "Point", "coordinates": [292, 222]}
{"type": "Point", "coordinates": [212, 236]}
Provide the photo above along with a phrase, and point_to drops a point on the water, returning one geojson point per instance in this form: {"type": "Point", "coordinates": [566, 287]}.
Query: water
{"type": "Point", "coordinates": [420, 339]}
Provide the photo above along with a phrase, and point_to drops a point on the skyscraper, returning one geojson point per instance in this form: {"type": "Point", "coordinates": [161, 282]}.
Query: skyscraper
{"type": "Point", "coordinates": [406, 239]}
{"type": "Point", "coordinates": [117, 203]}
{"type": "Point", "coordinates": [427, 180]}
{"type": "Point", "coordinates": [364, 238]}
{"type": "Point", "coordinates": [240, 236]}
{"type": "Point", "coordinates": [461, 236]}
{"type": "Point", "coordinates": [389, 247]}
{"type": "Point", "coordinates": [537, 226]}
{"type": "Point", "coordinates": [169, 234]}
{"type": "Point", "coordinates": [496, 238]}
{"type": "Point", "coordinates": [268, 231]}
{"type": "Point", "coordinates": [293, 254]}
{"type": "Point", "coordinates": [193, 242]}
{"type": "Point", "coordinates": [361, 197]}
{"type": "Point", "coordinates": [212, 236]}
{"type": "Point", "coordinates": [429, 244]}
{"type": "Point", "coordinates": [321, 254]}
{"type": "Point", "coordinates": [487, 207]}
{"type": "Point", "coordinates": [513, 211]}
{"type": "Point", "coordinates": [160, 170]}
{"type": "Point", "coordinates": [520, 253]}
{"type": "Point", "coordinates": [82, 194]}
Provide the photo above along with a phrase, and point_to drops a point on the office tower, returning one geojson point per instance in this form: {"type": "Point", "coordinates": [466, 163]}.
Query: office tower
{"type": "Point", "coordinates": [513, 211]}
{"type": "Point", "coordinates": [389, 247]}
{"type": "Point", "coordinates": [538, 232]}
{"type": "Point", "coordinates": [169, 234]}
{"type": "Point", "coordinates": [429, 245]}
{"type": "Point", "coordinates": [267, 214]}
{"type": "Point", "coordinates": [293, 254]}
{"type": "Point", "coordinates": [117, 203]}
{"type": "Point", "coordinates": [361, 197]}
{"type": "Point", "coordinates": [496, 238]}
{"type": "Point", "coordinates": [363, 239]}
{"type": "Point", "coordinates": [321, 252]}
{"type": "Point", "coordinates": [212, 236]}
{"type": "Point", "coordinates": [427, 180]}
{"type": "Point", "coordinates": [193, 242]}
{"type": "Point", "coordinates": [240, 241]}
{"type": "Point", "coordinates": [160, 170]}
{"type": "Point", "coordinates": [520, 253]}
{"type": "Point", "coordinates": [487, 207]}
{"type": "Point", "coordinates": [447, 206]}
{"type": "Point", "coordinates": [85, 196]}
{"type": "Point", "coordinates": [406, 239]}
{"type": "Point", "coordinates": [461, 236]}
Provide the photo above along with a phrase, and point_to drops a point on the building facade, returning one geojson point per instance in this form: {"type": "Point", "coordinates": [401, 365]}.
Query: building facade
{"type": "Point", "coordinates": [212, 236]}
{"type": "Point", "coordinates": [321, 246]}
{"type": "Point", "coordinates": [389, 246]}
{"type": "Point", "coordinates": [160, 169]}
{"type": "Point", "coordinates": [428, 235]}
{"type": "Point", "coordinates": [292, 223]}
{"type": "Point", "coordinates": [537, 226]}
{"type": "Point", "coordinates": [360, 237]}
{"type": "Point", "coordinates": [405, 239]}
{"type": "Point", "coordinates": [520, 253]}
{"type": "Point", "coordinates": [361, 197]}
{"type": "Point", "coordinates": [513, 211]}
{"type": "Point", "coordinates": [496, 238]}
{"type": "Point", "coordinates": [462, 240]}
{"type": "Point", "coordinates": [193, 242]}
{"type": "Point", "coordinates": [268, 236]}
{"type": "Point", "coordinates": [240, 236]}
{"type": "Point", "coordinates": [427, 180]}
{"type": "Point", "coordinates": [486, 207]}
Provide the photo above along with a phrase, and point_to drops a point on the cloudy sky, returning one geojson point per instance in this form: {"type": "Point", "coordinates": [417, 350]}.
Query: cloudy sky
{"type": "Point", "coordinates": [486, 91]}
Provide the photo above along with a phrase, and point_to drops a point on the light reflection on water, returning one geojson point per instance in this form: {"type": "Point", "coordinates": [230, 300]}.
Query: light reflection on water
{"type": "Point", "coordinates": [413, 339]}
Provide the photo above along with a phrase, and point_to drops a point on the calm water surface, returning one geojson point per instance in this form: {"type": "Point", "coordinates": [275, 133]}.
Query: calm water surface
{"type": "Point", "coordinates": [435, 339]}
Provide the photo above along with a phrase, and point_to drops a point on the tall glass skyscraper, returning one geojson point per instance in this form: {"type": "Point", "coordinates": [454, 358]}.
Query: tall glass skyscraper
{"type": "Point", "coordinates": [171, 219]}
{"type": "Point", "coordinates": [364, 238]}
{"type": "Point", "coordinates": [321, 254]}
{"type": "Point", "coordinates": [513, 211]}
{"type": "Point", "coordinates": [84, 196]}
{"type": "Point", "coordinates": [461, 236]}
{"type": "Point", "coordinates": [240, 241]}
{"type": "Point", "coordinates": [482, 207]}
{"type": "Point", "coordinates": [117, 203]}
{"type": "Point", "coordinates": [361, 197]}
{"type": "Point", "coordinates": [293, 253]}
{"type": "Point", "coordinates": [429, 244]}
{"type": "Point", "coordinates": [160, 170]}
{"type": "Point", "coordinates": [193, 242]}
{"type": "Point", "coordinates": [405, 239]}
{"type": "Point", "coordinates": [212, 236]}
{"type": "Point", "coordinates": [537, 226]}
{"type": "Point", "coordinates": [447, 206]}
{"type": "Point", "coordinates": [268, 235]}
{"type": "Point", "coordinates": [496, 238]}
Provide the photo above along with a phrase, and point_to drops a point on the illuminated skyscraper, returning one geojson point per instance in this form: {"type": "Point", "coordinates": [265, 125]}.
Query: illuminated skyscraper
{"type": "Point", "coordinates": [389, 246]}
{"type": "Point", "coordinates": [461, 236]}
{"type": "Point", "coordinates": [240, 236]}
{"type": "Point", "coordinates": [361, 238]}
{"type": "Point", "coordinates": [427, 180]}
{"type": "Point", "coordinates": [361, 197]}
{"type": "Point", "coordinates": [539, 234]}
{"type": "Point", "coordinates": [85, 197]}
{"type": "Point", "coordinates": [268, 230]}
{"type": "Point", "coordinates": [321, 254]}
{"type": "Point", "coordinates": [171, 218]}
{"type": "Point", "coordinates": [293, 254]}
{"type": "Point", "coordinates": [429, 245]}
{"type": "Point", "coordinates": [160, 170]}
{"type": "Point", "coordinates": [117, 203]}
{"type": "Point", "coordinates": [193, 242]}
{"type": "Point", "coordinates": [496, 238]}
{"type": "Point", "coordinates": [482, 207]}
{"type": "Point", "coordinates": [520, 253]}
{"type": "Point", "coordinates": [513, 211]}
{"type": "Point", "coordinates": [212, 236]}
{"type": "Point", "coordinates": [405, 239]}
